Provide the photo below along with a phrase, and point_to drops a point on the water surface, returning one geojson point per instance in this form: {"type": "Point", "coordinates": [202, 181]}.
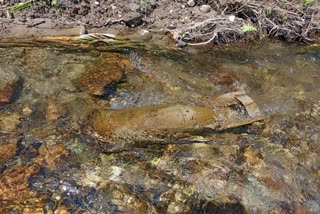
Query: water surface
{"type": "Point", "coordinates": [266, 167]}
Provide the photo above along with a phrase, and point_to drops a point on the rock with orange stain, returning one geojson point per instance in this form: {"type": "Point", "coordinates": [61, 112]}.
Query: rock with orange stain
{"type": "Point", "coordinates": [14, 182]}
{"type": "Point", "coordinates": [50, 156]}
{"type": "Point", "coordinates": [97, 77]}
{"type": "Point", "coordinates": [251, 157]}
{"type": "Point", "coordinates": [8, 146]}
{"type": "Point", "coordinates": [61, 210]}
{"type": "Point", "coordinates": [53, 110]}
{"type": "Point", "coordinates": [33, 210]}
{"type": "Point", "coordinates": [223, 75]}
{"type": "Point", "coordinates": [8, 122]}
{"type": "Point", "coordinates": [15, 194]}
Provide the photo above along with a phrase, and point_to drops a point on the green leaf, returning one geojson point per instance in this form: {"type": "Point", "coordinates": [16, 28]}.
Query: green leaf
{"type": "Point", "coordinates": [20, 6]}
{"type": "Point", "coordinates": [248, 28]}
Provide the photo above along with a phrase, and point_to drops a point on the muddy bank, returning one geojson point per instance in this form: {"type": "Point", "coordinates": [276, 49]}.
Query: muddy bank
{"type": "Point", "coordinates": [190, 22]}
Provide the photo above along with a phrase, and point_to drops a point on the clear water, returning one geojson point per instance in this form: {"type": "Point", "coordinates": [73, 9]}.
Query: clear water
{"type": "Point", "coordinates": [269, 168]}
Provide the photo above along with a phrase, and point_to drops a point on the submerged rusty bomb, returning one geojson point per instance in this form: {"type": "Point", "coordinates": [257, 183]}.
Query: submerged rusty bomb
{"type": "Point", "coordinates": [227, 111]}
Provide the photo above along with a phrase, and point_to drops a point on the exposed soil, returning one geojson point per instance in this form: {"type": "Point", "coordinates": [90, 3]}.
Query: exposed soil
{"type": "Point", "coordinates": [190, 22]}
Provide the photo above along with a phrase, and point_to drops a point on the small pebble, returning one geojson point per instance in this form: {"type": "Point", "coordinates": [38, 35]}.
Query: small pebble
{"type": "Point", "coordinates": [232, 18]}
{"type": "Point", "coordinates": [205, 8]}
{"type": "Point", "coordinates": [26, 111]}
{"type": "Point", "coordinates": [191, 3]}
{"type": "Point", "coordinates": [172, 26]}
{"type": "Point", "coordinates": [144, 34]}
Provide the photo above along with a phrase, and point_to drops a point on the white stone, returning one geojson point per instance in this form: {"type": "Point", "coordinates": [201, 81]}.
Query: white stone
{"type": "Point", "coordinates": [191, 3]}
{"type": "Point", "coordinates": [205, 8]}
{"type": "Point", "coordinates": [232, 18]}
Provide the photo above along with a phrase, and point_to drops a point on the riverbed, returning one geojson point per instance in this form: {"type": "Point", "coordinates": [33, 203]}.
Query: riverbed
{"type": "Point", "coordinates": [50, 164]}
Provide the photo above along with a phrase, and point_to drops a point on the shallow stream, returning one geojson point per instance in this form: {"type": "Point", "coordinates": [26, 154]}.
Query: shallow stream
{"type": "Point", "coordinates": [49, 164]}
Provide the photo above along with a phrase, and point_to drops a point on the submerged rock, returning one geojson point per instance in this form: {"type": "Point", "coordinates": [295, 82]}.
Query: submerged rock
{"type": "Point", "coordinates": [8, 122]}
{"type": "Point", "coordinates": [10, 89]}
{"type": "Point", "coordinates": [51, 156]}
{"type": "Point", "coordinates": [15, 194]}
{"type": "Point", "coordinates": [53, 110]}
{"type": "Point", "coordinates": [8, 148]}
{"type": "Point", "coordinates": [223, 75]}
{"type": "Point", "coordinates": [100, 79]}
{"type": "Point", "coordinates": [142, 35]}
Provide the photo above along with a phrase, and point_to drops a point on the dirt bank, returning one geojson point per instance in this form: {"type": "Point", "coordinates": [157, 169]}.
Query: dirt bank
{"type": "Point", "coordinates": [189, 21]}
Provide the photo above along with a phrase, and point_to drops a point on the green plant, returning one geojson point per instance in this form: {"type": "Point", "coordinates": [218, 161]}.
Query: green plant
{"type": "Point", "coordinates": [307, 1]}
{"type": "Point", "coordinates": [54, 2]}
{"type": "Point", "coordinates": [28, 4]}
{"type": "Point", "coordinates": [248, 28]}
{"type": "Point", "coordinates": [20, 6]}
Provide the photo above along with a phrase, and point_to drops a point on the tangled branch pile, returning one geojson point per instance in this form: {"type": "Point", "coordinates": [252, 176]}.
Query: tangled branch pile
{"type": "Point", "coordinates": [296, 20]}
